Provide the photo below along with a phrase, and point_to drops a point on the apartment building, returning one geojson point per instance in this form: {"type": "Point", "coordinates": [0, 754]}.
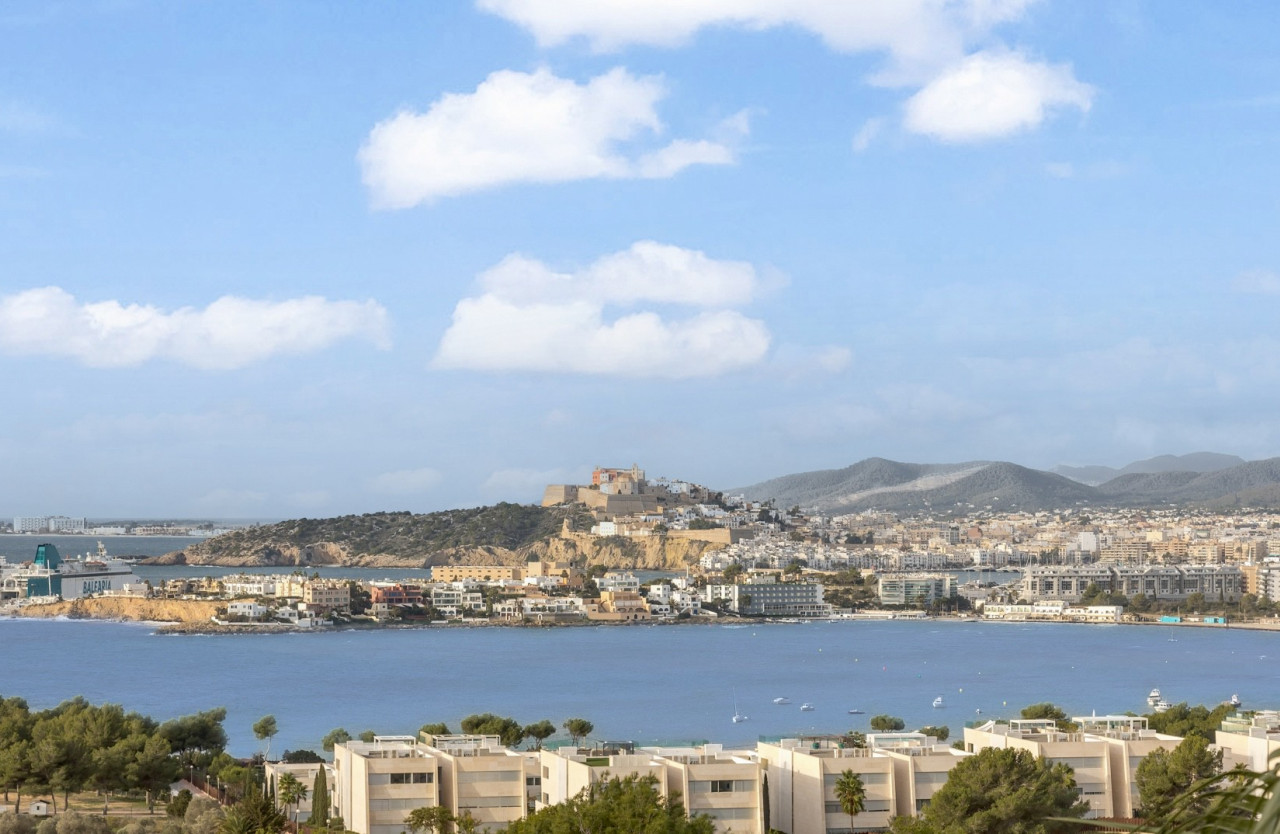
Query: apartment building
{"type": "Point", "coordinates": [306, 774]}
{"type": "Point", "coordinates": [802, 780]}
{"type": "Point", "coordinates": [1128, 741]}
{"type": "Point", "coordinates": [764, 596]}
{"type": "Point", "coordinates": [321, 596]}
{"type": "Point", "coordinates": [480, 777]}
{"type": "Point", "coordinates": [1251, 739]}
{"type": "Point", "coordinates": [724, 785]}
{"type": "Point", "coordinates": [921, 765]}
{"type": "Point", "coordinates": [619, 606]}
{"type": "Point", "coordinates": [1164, 582]}
{"type": "Point", "coordinates": [377, 783]}
{"type": "Point", "coordinates": [913, 588]}
{"type": "Point", "coordinates": [477, 573]}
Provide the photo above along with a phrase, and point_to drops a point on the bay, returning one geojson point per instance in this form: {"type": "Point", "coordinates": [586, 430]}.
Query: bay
{"type": "Point", "coordinates": [650, 684]}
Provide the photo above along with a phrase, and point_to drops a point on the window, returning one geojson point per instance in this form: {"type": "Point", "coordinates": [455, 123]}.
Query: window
{"type": "Point", "coordinates": [532, 781]}
{"type": "Point", "coordinates": [490, 802]}
{"type": "Point", "coordinates": [406, 779]}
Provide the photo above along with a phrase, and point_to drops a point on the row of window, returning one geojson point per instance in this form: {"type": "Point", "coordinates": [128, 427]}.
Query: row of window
{"type": "Point", "coordinates": [830, 779]}
{"type": "Point", "coordinates": [868, 805]}
{"type": "Point", "coordinates": [491, 802]}
{"type": "Point", "coordinates": [394, 804]}
{"type": "Point", "coordinates": [721, 785]}
{"type": "Point", "coordinates": [490, 776]}
{"type": "Point", "coordinates": [401, 778]}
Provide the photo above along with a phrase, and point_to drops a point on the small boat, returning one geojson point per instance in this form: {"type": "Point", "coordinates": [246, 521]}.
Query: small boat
{"type": "Point", "coordinates": [1162, 705]}
{"type": "Point", "coordinates": [937, 702]}
{"type": "Point", "coordinates": [1154, 697]}
{"type": "Point", "coordinates": [782, 700]}
{"type": "Point", "coordinates": [1235, 700]}
{"type": "Point", "coordinates": [738, 717]}
{"type": "Point", "coordinates": [806, 707]}
{"type": "Point", "coordinates": [857, 712]}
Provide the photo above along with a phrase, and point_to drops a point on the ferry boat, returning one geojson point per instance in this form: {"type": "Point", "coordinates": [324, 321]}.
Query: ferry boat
{"type": "Point", "coordinates": [50, 575]}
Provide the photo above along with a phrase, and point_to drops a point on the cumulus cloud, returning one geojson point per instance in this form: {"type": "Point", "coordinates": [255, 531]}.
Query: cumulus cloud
{"type": "Point", "coordinates": [230, 333]}
{"type": "Point", "coordinates": [405, 481]}
{"type": "Point", "coordinates": [914, 32]}
{"type": "Point", "coordinates": [964, 97]}
{"type": "Point", "coordinates": [993, 94]}
{"type": "Point", "coordinates": [529, 317]}
{"type": "Point", "coordinates": [1257, 282]}
{"type": "Point", "coordinates": [527, 127]}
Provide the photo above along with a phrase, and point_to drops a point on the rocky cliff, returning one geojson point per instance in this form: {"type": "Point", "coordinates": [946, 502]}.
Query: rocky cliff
{"type": "Point", "coordinates": [126, 608]}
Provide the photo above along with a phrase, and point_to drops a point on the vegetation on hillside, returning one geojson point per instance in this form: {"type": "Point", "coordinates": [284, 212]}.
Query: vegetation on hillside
{"type": "Point", "coordinates": [404, 534]}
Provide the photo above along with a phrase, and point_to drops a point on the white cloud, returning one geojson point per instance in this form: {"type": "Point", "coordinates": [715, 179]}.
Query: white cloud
{"type": "Point", "coordinates": [230, 333]}
{"type": "Point", "coordinates": [1257, 282]}
{"type": "Point", "coordinates": [993, 94]}
{"type": "Point", "coordinates": [916, 33]}
{"type": "Point", "coordinates": [531, 318]}
{"type": "Point", "coordinates": [525, 127]}
{"type": "Point", "coordinates": [405, 481]}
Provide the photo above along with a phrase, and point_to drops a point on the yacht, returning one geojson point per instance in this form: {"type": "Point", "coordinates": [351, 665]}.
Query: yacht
{"type": "Point", "coordinates": [806, 707]}
{"type": "Point", "coordinates": [857, 712]}
{"type": "Point", "coordinates": [1154, 697]}
{"type": "Point", "coordinates": [782, 700]}
{"type": "Point", "coordinates": [1235, 700]}
{"type": "Point", "coordinates": [937, 702]}
{"type": "Point", "coordinates": [1162, 705]}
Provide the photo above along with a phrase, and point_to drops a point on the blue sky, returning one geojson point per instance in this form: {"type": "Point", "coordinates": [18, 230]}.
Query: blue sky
{"type": "Point", "coordinates": [285, 258]}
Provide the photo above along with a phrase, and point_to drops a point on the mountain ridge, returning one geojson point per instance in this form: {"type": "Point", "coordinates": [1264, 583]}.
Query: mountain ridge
{"type": "Point", "coordinates": [877, 483]}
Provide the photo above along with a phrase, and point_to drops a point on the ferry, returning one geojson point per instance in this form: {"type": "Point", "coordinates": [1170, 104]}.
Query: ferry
{"type": "Point", "coordinates": [50, 575]}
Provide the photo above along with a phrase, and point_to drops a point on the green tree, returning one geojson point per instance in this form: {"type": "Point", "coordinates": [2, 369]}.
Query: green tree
{"type": "Point", "coordinates": [629, 805]}
{"type": "Point", "coordinates": [1194, 602]}
{"type": "Point", "coordinates": [197, 738]}
{"type": "Point", "coordinates": [319, 801]}
{"type": "Point", "coordinates": [887, 723]}
{"type": "Point", "coordinates": [433, 820]}
{"type": "Point", "coordinates": [1182, 720]}
{"type": "Point", "coordinates": [437, 729]}
{"type": "Point", "coordinates": [487, 724]}
{"type": "Point", "coordinates": [1048, 711]}
{"type": "Point", "coordinates": [301, 757]}
{"type": "Point", "coordinates": [291, 792]}
{"type": "Point", "coordinates": [151, 768]}
{"type": "Point", "coordinates": [266, 728]}
{"type": "Point", "coordinates": [540, 732]}
{"type": "Point", "coordinates": [940, 733]}
{"type": "Point", "coordinates": [731, 573]}
{"type": "Point", "coordinates": [578, 729]}
{"type": "Point", "coordinates": [997, 791]}
{"type": "Point", "coordinates": [464, 823]}
{"type": "Point", "coordinates": [253, 814]}
{"type": "Point", "coordinates": [368, 736]}
{"type": "Point", "coordinates": [1165, 776]}
{"type": "Point", "coordinates": [851, 795]}
{"type": "Point", "coordinates": [337, 735]}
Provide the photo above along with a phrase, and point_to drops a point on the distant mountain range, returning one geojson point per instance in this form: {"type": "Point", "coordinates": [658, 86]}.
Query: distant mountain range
{"type": "Point", "coordinates": [1194, 462]}
{"type": "Point", "coordinates": [1201, 479]}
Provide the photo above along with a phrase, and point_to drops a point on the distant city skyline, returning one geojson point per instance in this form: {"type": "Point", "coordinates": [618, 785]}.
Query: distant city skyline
{"type": "Point", "coordinates": [307, 260]}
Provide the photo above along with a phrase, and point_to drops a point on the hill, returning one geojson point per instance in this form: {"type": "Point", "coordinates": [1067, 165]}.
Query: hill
{"type": "Point", "coordinates": [903, 487]}
{"type": "Point", "coordinates": [1193, 462]}
{"type": "Point", "coordinates": [382, 539]}
{"type": "Point", "coordinates": [891, 485]}
{"type": "Point", "coordinates": [504, 534]}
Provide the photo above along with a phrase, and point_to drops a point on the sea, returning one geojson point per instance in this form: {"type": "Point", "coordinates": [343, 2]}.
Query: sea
{"type": "Point", "coordinates": [652, 684]}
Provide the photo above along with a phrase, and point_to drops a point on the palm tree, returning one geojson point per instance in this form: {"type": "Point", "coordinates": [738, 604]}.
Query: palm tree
{"type": "Point", "coordinates": [290, 791]}
{"type": "Point", "coordinates": [851, 795]}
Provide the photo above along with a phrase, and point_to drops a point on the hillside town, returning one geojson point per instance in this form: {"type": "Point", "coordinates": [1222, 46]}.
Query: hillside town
{"type": "Point", "coordinates": [1080, 564]}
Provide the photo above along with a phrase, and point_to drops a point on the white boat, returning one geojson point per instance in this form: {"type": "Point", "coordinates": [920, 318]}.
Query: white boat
{"type": "Point", "coordinates": [806, 707]}
{"type": "Point", "coordinates": [857, 712]}
{"type": "Point", "coordinates": [1235, 700]}
{"type": "Point", "coordinates": [738, 717]}
{"type": "Point", "coordinates": [937, 702]}
{"type": "Point", "coordinates": [1162, 705]}
{"type": "Point", "coordinates": [1154, 697]}
{"type": "Point", "coordinates": [782, 700]}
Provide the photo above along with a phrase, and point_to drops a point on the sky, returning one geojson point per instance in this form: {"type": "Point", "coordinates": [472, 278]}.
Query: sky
{"type": "Point", "coordinates": [285, 258]}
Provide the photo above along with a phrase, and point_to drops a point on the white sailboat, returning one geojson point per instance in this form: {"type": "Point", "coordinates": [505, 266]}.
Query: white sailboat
{"type": "Point", "coordinates": [738, 717]}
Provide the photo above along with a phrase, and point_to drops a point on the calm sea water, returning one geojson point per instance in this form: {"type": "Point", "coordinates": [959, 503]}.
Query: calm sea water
{"type": "Point", "coordinates": [648, 684]}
